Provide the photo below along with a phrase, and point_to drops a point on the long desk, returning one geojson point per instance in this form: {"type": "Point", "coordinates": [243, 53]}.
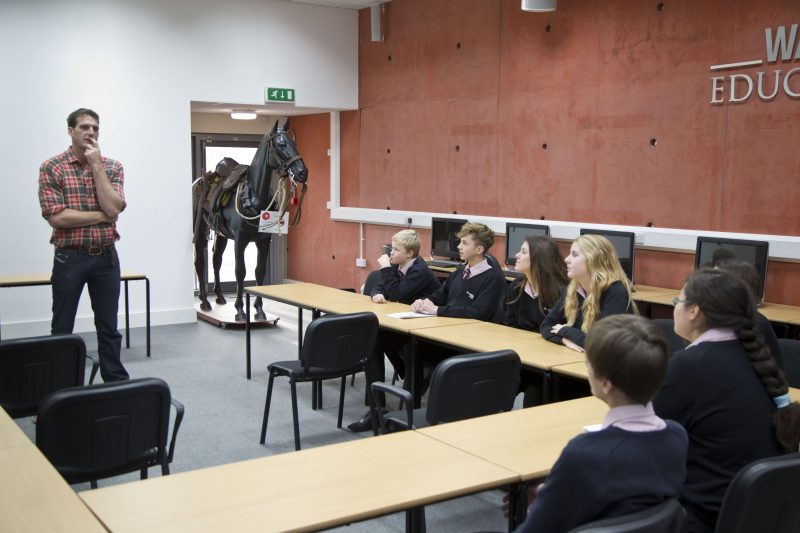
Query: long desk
{"type": "Point", "coordinates": [300, 491]}
{"type": "Point", "coordinates": [33, 496]}
{"type": "Point", "coordinates": [36, 279]}
{"type": "Point", "coordinates": [534, 351]}
{"type": "Point", "coordinates": [319, 298]}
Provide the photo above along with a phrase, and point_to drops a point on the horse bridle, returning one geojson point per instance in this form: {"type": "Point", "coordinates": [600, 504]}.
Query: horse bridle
{"type": "Point", "coordinates": [284, 171]}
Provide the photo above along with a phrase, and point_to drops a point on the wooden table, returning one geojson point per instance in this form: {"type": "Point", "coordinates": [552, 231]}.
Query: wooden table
{"type": "Point", "coordinates": [33, 495]}
{"type": "Point", "coordinates": [535, 353]}
{"type": "Point", "coordinates": [300, 491]}
{"type": "Point", "coordinates": [786, 314]}
{"type": "Point", "coordinates": [31, 280]}
{"type": "Point", "coordinates": [321, 299]}
{"type": "Point", "coordinates": [525, 441]}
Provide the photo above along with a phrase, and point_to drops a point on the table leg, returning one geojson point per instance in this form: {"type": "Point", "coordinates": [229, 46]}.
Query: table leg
{"type": "Point", "coordinates": [414, 373]}
{"type": "Point", "coordinates": [147, 312]}
{"type": "Point", "coordinates": [247, 334]}
{"type": "Point", "coordinates": [299, 331]}
{"type": "Point", "coordinates": [415, 520]}
{"type": "Point", "coordinates": [127, 318]}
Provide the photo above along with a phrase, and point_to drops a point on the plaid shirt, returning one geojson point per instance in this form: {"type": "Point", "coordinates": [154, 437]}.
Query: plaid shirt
{"type": "Point", "coordinates": [66, 184]}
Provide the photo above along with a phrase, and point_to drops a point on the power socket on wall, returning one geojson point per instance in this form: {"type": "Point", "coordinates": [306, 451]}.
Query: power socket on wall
{"type": "Point", "coordinates": [361, 262]}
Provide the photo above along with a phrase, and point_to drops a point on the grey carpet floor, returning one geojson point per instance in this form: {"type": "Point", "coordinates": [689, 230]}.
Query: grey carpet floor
{"type": "Point", "coordinates": [204, 366]}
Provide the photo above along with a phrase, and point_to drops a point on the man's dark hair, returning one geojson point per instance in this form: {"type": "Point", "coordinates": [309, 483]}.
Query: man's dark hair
{"type": "Point", "coordinates": [72, 119]}
{"type": "Point", "coordinates": [632, 352]}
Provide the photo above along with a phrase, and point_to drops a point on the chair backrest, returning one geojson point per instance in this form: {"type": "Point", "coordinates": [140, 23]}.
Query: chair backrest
{"type": "Point", "coordinates": [471, 385]}
{"type": "Point", "coordinates": [500, 310]}
{"type": "Point", "coordinates": [790, 352]}
{"type": "Point", "coordinates": [372, 280]}
{"type": "Point", "coordinates": [675, 341]}
{"type": "Point", "coordinates": [33, 367]}
{"type": "Point", "coordinates": [99, 431]}
{"type": "Point", "coordinates": [666, 517]}
{"type": "Point", "coordinates": [763, 496]}
{"type": "Point", "coordinates": [339, 341]}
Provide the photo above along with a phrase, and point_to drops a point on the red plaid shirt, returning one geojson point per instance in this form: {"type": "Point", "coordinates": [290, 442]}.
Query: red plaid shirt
{"type": "Point", "coordinates": [66, 184]}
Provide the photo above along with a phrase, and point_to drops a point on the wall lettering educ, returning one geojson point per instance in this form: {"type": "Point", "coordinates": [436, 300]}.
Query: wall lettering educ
{"type": "Point", "coordinates": [737, 88]}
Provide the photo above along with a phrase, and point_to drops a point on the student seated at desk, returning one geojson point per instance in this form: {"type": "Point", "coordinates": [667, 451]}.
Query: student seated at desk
{"type": "Point", "coordinates": [405, 277]}
{"type": "Point", "coordinates": [476, 288]}
{"type": "Point", "coordinates": [749, 274]}
{"type": "Point", "coordinates": [530, 298]}
{"type": "Point", "coordinates": [637, 460]}
{"type": "Point", "coordinates": [725, 389]}
{"type": "Point", "coordinates": [598, 288]}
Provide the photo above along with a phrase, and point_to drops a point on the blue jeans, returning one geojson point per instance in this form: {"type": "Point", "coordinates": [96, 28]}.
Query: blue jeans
{"type": "Point", "coordinates": [72, 269]}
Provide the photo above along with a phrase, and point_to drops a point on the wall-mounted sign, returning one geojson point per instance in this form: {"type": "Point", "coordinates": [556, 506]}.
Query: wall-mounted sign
{"type": "Point", "coordinates": [781, 47]}
{"type": "Point", "coordinates": [278, 94]}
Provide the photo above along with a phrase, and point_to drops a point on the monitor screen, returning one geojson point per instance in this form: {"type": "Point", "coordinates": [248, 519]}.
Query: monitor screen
{"type": "Point", "coordinates": [623, 242]}
{"type": "Point", "coordinates": [444, 242]}
{"type": "Point", "coordinates": [515, 236]}
{"type": "Point", "coordinates": [712, 249]}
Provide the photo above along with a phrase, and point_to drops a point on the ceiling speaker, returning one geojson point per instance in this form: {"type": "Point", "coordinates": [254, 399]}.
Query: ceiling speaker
{"type": "Point", "coordinates": [538, 5]}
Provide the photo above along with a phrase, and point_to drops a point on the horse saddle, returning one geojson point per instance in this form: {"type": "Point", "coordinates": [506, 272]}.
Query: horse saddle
{"type": "Point", "coordinates": [222, 194]}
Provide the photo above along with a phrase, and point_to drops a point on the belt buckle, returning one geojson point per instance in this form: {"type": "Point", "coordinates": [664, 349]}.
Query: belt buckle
{"type": "Point", "coordinates": [94, 249]}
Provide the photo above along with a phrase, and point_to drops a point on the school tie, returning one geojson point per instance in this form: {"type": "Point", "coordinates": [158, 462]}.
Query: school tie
{"type": "Point", "coordinates": [466, 273]}
{"type": "Point", "coordinates": [400, 274]}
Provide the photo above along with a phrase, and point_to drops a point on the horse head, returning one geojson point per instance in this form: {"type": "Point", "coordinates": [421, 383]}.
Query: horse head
{"type": "Point", "coordinates": [283, 156]}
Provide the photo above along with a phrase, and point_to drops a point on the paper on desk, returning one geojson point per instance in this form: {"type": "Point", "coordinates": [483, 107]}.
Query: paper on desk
{"type": "Point", "coordinates": [409, 314]}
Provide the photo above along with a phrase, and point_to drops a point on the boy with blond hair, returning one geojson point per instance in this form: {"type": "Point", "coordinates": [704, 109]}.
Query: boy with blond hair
{"type": "Point", "coordinates": [404, 278]}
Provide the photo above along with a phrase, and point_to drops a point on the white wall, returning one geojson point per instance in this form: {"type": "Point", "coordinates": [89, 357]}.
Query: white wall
{"type": "Point", "coordinates": [139, 63]}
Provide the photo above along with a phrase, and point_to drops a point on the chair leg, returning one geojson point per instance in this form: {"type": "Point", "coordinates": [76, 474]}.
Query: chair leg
{"type": "Point", "coordinates": [294, 415]}
{"type": "Point", "coordinates": [143, 473]}
{"type": "Point", "coordinates": [415, 520]}
{"type": "Point", "coordinates": [353, 380]}
{"type": "Point", "coordinates": [266, 408]}
{"type": "Point", "coordinates": [93, 483]}
{"type": "Point", "coordinates": [165, 468]}
{"type": "Point", "coordinates": [318, 384]}
{"type": "Point", "coordinates": [314, 395]}
{"type": "Point", "coordinates": [341, 401]}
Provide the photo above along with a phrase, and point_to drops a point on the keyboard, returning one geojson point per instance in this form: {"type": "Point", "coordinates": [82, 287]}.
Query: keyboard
{"type": "Point", "coordinates": [445, 263]}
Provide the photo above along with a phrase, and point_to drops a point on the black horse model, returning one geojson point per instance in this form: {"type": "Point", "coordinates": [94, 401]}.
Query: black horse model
{"type": "Point", "coordinates": [230, 200]}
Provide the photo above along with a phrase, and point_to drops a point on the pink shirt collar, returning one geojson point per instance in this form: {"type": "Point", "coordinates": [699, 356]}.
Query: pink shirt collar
{"type": "Point", "coordinates": [715, 335]}
{"type": "Point", "coordinates": [404, 269]}
{"type": "Point", "coordinates": [530, 292]}
{"type": "Point", "coordinates": [634, 417]}
{"type": "Point", "coordinates": [480, 268]}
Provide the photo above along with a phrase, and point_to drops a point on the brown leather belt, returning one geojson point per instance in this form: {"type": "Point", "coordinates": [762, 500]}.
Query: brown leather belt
{"type": "Point", "coordinates": [92, 249]}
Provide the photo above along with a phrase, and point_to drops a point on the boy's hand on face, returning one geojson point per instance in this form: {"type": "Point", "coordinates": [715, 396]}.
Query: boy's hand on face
{"type": "Point", "coordinates": [384, 261]}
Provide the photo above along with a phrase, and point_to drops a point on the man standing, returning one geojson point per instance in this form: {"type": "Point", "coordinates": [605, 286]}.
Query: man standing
{"type": "Point", "coordinates": [80, 193]}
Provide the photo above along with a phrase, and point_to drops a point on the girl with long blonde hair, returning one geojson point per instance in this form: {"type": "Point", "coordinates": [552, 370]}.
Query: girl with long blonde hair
{"type": "Point", "coordinates": [598, 288]}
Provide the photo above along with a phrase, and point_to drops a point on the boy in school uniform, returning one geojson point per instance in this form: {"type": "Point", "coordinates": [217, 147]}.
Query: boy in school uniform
{"type": "Point", "coordinates": [476, 288]}
{"type": "Point", "coordinates": [637, 460]}
{"type": "Point", "coordinates": [405, 277]}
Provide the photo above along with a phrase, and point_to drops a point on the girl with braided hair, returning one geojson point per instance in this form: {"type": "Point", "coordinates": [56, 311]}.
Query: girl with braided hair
{"type": "Point", "coordinates": [725, 389]}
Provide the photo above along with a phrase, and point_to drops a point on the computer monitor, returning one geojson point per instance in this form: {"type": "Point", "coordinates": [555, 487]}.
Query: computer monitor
{"type": "Point", "coordinates": [712, 249]}
{"type": "Point", "coordinates": [516, 234]}
{"type": "Point", "coordinates": [624, 244]}
{"type": "Point", "coordinates": [444, 242]}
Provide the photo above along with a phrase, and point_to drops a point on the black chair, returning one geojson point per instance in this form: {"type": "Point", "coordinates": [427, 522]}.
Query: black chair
{"type": "Point", "coordinates": [91, 433]}
{"type": "Point", "coordinates": [33, 367]}
{"type": "Point", "coordinates": [667, 517]}
{"type": "Point", "coordinates": [463, 386]}
{"type": "Point", "coordinates": [790, 350]}
{"type": "Point", "coordinates": [334, 346]}
{"type": "Point", "coordinates": [675, 341]}
{"type": "Point", "coordinates": [371, 282]}
{"type": "Point", "coordinates": [763, 496]}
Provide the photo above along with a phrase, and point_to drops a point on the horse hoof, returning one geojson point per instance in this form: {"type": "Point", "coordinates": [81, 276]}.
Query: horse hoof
{"type": "Point", "coordinates": [221, 300]}
{"type": "Point", "coordinates": [261, 315]}
{"type": "Point", "coordinates": [240, 317]}
{"type": "Point", "coordinates": [205, 306]}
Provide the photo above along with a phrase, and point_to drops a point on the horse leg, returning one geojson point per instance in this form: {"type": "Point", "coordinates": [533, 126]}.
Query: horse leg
{"type": "Point", "coordinates": [240, 244]}
{"type": "Point", "coordinates": [220, 243]}
{"type": "Point", "coordinates": [200, 254]}
{"type": "Point", "coordinates": [261, 271]}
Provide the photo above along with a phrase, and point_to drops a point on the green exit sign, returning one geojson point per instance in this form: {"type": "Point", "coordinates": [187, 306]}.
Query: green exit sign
{"type": "Point", "coordinates": [278, 94]}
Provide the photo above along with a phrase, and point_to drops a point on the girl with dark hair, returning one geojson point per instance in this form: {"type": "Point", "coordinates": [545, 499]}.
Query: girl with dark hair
{"type": "Point", "coordinates": [725, 389]}
{"type": "Point", "coordinates": [530, 298]}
